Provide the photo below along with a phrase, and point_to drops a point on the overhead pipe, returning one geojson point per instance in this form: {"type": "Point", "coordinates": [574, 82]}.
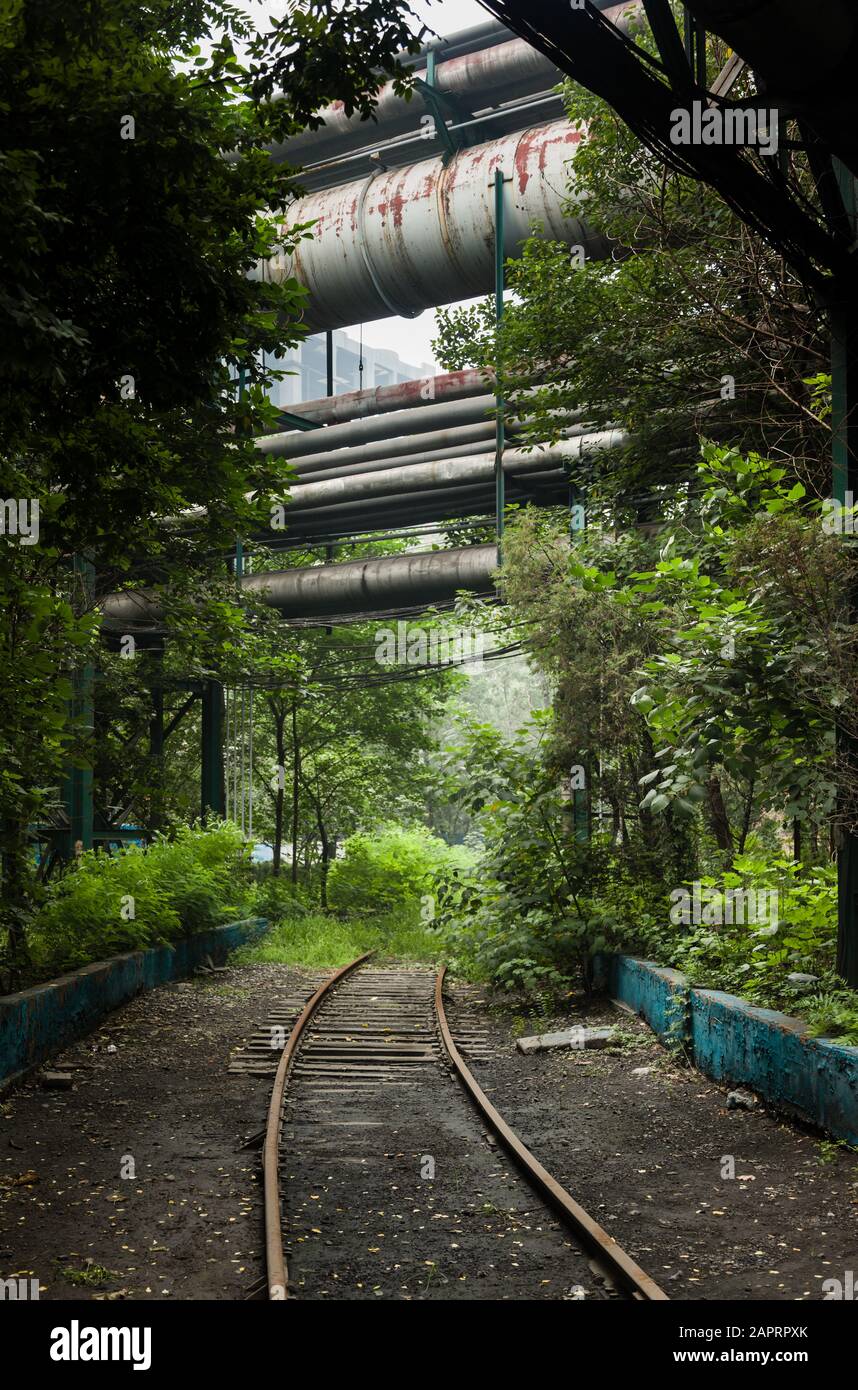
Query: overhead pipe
{"type": "Point", "coordinates": [421, 236]}
{"type": "Point", "coordinates": [510, 70]}
{"type": "Point", "coordinates": [480, 66]}
{"type": "Point", "coordinates": [400, 395]}
{"type": "Point", "coordinates": [440, 505]}
{"type": "Point", "coordinates": [467, 443]}
{"type": "Point", "coordinates": [369, 455]}
{"type": "Point", "coordinates": [463, 449]}
{"type": "Point", "coordinates": [303, 444]}
{"type": "Point", "coordinates": [357, 586]}
{"type": "Point", "coordinates": [452, 472]}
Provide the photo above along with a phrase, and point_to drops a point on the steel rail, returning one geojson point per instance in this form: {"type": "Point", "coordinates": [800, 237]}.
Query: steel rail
{"type": "Point", "coordinates": [621, 1267]}
{"type": "Point", "coordinates": [275, 1260]}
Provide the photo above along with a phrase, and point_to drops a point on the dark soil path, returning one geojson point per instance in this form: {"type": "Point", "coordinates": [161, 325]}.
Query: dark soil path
{"type": "Point", "coordinates": [134, 1183]}
{"type": "Point", "coordinates": [644, 1142]}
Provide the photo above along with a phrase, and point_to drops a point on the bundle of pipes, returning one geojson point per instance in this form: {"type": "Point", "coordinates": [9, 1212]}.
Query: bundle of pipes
{"type": "Point", "coordinates": [483, 79]}
{"type": "Point", "coordinates": [512, 70]}
{"type": "Point", "coordinates": [443, 478]}
{"type": "Point", "coordinates": [427, 452]}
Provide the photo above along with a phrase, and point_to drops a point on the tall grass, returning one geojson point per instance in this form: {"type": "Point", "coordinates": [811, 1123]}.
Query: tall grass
{"type": "Point", "coordinates": [321, 941]}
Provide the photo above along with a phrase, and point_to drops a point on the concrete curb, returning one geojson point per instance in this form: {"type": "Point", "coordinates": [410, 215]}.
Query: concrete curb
{"type": "Point", "coordinates": [39, 1022]}
{"type": "Point", "coordinates": [733, 1041]}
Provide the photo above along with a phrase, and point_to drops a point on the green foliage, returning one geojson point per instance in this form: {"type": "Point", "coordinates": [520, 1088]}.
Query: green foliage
{"type": "Point", "coordinates": [389, 870]}
{"type": "Point", "coordinates": [138, 194]}
{"type": "Point", "coordinates": [105, 904]}
{"type": "Point", "coordinates": [277, 899]}
{"type": "Point", "coordinates": [525, 916]}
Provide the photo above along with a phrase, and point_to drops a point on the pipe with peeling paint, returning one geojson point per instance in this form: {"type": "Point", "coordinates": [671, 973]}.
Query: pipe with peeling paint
{"type": "Point", "coordinates": [514, 69]}
{"type": "Point", "coordinates": [413, 238]}
{"type": "Point", "coordinates": [400, 395]}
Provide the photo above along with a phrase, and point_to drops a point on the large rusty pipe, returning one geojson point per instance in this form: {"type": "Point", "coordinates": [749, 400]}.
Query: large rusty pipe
{"type": "Point", "coordinates": [400, 395]}
{"type": "Point", "coordinates": [413, 238]}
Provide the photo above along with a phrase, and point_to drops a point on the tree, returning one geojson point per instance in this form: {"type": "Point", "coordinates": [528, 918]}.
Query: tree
{"type": "Point", "coordinates": [693, 326]}
{"type": "Point", "coordinates": [138, 194]}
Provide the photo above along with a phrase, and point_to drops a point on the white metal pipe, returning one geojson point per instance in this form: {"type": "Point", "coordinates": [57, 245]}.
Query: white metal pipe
{"type": "Point", "coordinates": [444, 473]}
{"type": "Point", "coordinates": [412, 238]}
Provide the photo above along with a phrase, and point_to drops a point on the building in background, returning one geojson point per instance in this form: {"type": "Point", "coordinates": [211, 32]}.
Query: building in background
{"type": "Point", "coordinates": [308, 380]}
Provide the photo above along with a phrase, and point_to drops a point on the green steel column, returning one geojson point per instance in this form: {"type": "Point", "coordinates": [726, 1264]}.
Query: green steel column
{"type": "Point", "coordinates": [844, 410]}
{"type": "Point", "coordinates": [580, 796]}
{"type": "Point", "coordinates": [156, 740]}
{"type": "Point", "coordinates": [844, 429]}
{"type": "Point", "coordinates": [213, 799]}
{"type": "Point", "coordinates": [77, 787]}
{"type": "Point", "coordinates": [499, 401]}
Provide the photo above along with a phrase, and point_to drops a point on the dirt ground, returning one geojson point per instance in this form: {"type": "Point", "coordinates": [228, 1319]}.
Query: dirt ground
{"type": "Point", "coordinates": [642, 1142]}
{"type": "Point", "coordinates": [135, 1184]}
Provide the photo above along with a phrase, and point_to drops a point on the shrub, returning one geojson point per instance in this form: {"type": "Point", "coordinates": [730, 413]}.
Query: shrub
{"type": "Point", "coordinates": [390, 870]}
{"type": "Point", "coordinates": [104, 904]}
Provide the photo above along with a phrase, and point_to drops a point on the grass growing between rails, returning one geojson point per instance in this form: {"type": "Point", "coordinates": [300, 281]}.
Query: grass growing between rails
{"type": "Point", "coordinates": [320, 940]}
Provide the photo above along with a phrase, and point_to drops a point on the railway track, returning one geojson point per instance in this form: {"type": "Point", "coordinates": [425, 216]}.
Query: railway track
{"type": "Point", "coordinates": [380, 1179]}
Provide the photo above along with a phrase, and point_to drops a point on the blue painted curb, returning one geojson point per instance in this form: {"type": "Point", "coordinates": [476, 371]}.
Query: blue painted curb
{"type": "Point", "coordinates": [38, 1022]}
{"type": "Point", "coordinates": [733, 1041]}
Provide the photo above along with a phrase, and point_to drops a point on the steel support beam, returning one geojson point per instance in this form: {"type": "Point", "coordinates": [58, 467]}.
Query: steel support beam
{"type": "Point", "coordinates": [212, 789]}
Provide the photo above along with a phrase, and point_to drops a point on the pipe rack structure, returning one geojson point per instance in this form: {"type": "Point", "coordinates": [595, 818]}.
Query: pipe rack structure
{"type": "Point", "coordinates": [397, 235]}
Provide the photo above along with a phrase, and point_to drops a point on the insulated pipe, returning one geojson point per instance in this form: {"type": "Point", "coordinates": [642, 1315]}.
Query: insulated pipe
{"type": "Point", "coordinates": [363, 515]}
{"type": "Point", "coordinates": [465, 447]}
{"type": "Point", "coordinates": [453, 472]}
{"type": "Point", "coordinates": [304, 443]}
{"type": "Point", "coordinates": [394, 448]}
{"type": "Point", "coordinates": [354, 587]}
{"type": "Point", "coordinates": [471, 439]}
{"type": "Point", "coordinates": [505, 72]}
{"type": "Point", "coordinates": [413, 238]}
{"type": "Point", "coordinates": [378, 400]}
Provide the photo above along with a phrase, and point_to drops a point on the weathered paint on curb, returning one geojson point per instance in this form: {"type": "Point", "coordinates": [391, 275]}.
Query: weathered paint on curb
{"type": "Point", "coordinates": [736, 1042]}
{"type": "Point", "coordinates": [659, 995]}
{"type": "Point", "coordinates": [808, 1077]}
{"type": "Point", "coordinates": [38, 1022]}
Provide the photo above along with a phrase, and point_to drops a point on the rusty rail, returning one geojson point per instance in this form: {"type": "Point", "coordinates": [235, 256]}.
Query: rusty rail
{"type": "Point", "coordinates": [621, 1268]}
{"type": "Point", "coordinates": [275, 1260]}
